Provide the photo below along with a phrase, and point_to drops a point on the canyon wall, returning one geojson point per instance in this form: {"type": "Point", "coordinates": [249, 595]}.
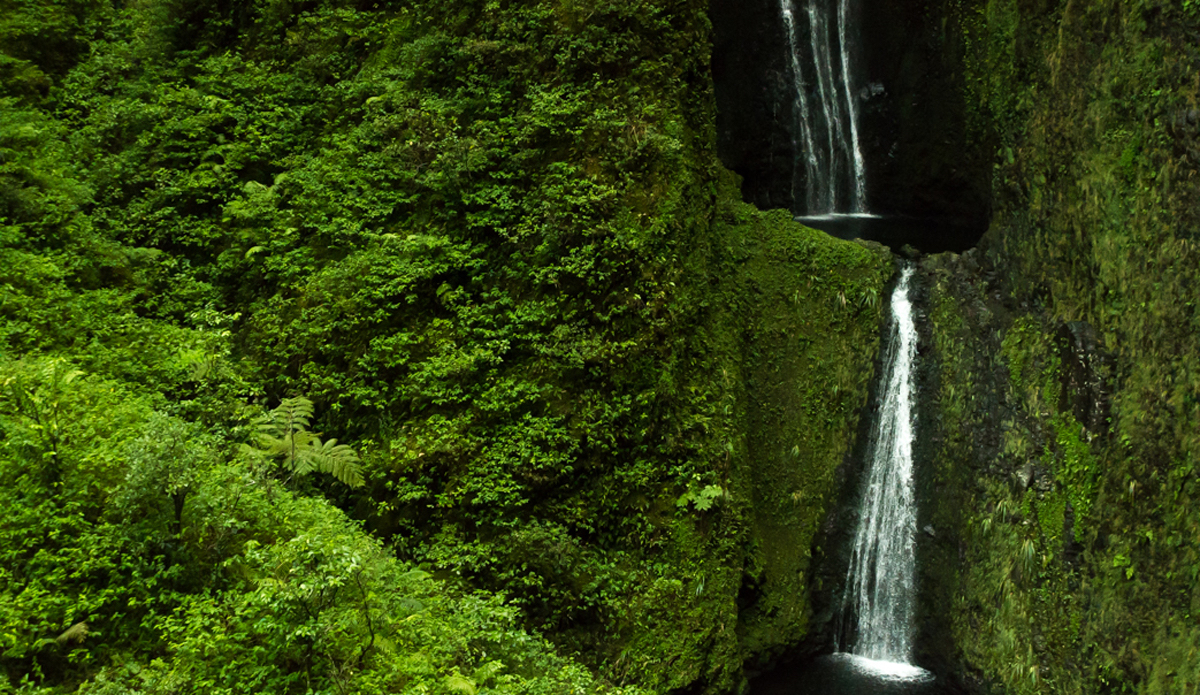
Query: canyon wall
{"type": "Point", "coordinates": [1063, 384]}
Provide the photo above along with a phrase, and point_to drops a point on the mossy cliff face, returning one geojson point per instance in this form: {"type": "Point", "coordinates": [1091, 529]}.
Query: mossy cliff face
{"type": "Point", "coordinates": [782, 347]}
{"type": "Point", "coordinates": [806, 309]}
{"type": "Point", "coordinates": [1062, 396]}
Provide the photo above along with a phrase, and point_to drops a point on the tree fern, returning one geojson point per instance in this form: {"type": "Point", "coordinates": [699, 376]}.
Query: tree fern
{"type": "Point", "coordinates": [283, 433]}
{"type": "Point", "coordinates": [339, 460]}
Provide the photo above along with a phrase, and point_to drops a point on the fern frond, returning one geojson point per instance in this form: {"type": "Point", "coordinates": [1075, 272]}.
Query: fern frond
{"type": "Point", "coordinates": [305, 463]}
{"type": "Point", "coordinates": [270, 445]}
{"type": "Point", "coordinates": [265, 424]}
{"type": "Point", "coordinates": [339, 460]}
{"type": "Point", "coordinates": [283, 434]}
{"type": "Point", "coordinates": [75, 633]}
{"type": "Point", "coordinates": [293, 414]}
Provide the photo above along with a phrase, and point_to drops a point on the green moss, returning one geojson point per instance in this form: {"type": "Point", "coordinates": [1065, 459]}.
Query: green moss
{"type": "Point", "coordinates": [1075, 466]}
{"type": "Point", "coordinates": [495, 248]}
{"type": "Point", "coordinates": [791, 324]}
{"type": "Point", "coordinates": [1051, 515]}
{"type": "Point", "coordinates": [1032, 366]}
{"type": "Point", "coordinates": [1095, 221]}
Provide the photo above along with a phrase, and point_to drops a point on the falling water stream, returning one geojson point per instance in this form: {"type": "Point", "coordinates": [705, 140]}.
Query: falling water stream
{"type": "Point", "coordinates": [825, 136]}
{"type": "Point", "coordinates": [880, 588]}
{"type": "Point", "coordinates": [880, 593]}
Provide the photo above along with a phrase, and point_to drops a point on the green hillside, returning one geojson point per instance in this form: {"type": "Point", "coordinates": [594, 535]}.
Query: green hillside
{"type": "Point", "coordinates": [587, 405]}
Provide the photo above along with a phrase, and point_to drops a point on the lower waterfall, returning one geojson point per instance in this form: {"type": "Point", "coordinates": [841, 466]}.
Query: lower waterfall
{"type": "Point", "coordinates": [880, 583]}
{"type": "Point", "coordinates": [879, 600]}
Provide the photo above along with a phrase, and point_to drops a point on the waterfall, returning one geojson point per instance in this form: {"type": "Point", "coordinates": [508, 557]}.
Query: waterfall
{"type": "Point", "coordinates": [825, 135]}
{"type": "Point", "coordinates": [880, 585]}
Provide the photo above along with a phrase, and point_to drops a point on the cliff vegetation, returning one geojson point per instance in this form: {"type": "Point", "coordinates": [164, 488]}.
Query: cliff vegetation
{"type": "Point", "coordinates": [401, 347]}
{"type": "Point", "coordinates": [1067, 387]}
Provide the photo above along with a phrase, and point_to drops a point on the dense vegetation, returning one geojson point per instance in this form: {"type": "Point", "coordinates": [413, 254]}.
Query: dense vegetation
{"type": "Point", "coordinates": [587, 405]}
{"type": "Point", "coordinates": [425, 346]}
{"type": "Point", "coordinates": [1068, 397]}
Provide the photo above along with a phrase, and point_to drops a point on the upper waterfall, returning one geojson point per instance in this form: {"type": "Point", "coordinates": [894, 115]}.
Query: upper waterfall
{"type": "Point", "coordinates": [825, 138]}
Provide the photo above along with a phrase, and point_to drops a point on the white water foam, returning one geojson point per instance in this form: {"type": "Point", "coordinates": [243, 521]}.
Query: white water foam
{"type": "Point", "coordinates": [835, 216]}
{"type": "Point", "coordinates": [886, 670]}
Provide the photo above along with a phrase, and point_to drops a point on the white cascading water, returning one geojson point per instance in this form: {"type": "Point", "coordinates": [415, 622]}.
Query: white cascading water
{"type": "Point", "coordinates": [880, 584]}
{"type": "Point", "coordinates": [828, 143]}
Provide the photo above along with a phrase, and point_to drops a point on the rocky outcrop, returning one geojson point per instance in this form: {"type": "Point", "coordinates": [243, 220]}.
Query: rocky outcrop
{"type": "Point", "coordinates": [1085, 363]}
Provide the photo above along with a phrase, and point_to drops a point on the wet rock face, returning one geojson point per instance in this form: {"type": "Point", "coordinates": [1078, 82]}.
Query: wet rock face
{"type": "Point", "coordinates": [754, 98]}
{"type": "Point", "coordinates": [1085, 362]}
{"type": "Point", "coordinates": [919, 159]}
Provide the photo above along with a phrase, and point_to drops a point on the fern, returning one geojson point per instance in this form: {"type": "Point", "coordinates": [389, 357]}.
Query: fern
{"type": "Point", "coordinates": [283, 433]}
{"type": "Point", "coordinates": [339, 460]}
{"type": "Point", "coordinates": [76, 633]}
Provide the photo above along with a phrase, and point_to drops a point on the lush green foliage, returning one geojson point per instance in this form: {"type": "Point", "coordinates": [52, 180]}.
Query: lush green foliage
{"type": "Point", "coordinates": [136, 555]}
{"type": "Point", "coordinates": [491, 243]}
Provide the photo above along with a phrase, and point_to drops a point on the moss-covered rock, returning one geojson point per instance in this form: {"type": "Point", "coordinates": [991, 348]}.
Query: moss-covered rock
{"type": "Point", "coordinates": [1065, 397]}
{"type": "Point", "coordinates": [808, 311]}
{"type": "Point", "coordinates": [786, 335]}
